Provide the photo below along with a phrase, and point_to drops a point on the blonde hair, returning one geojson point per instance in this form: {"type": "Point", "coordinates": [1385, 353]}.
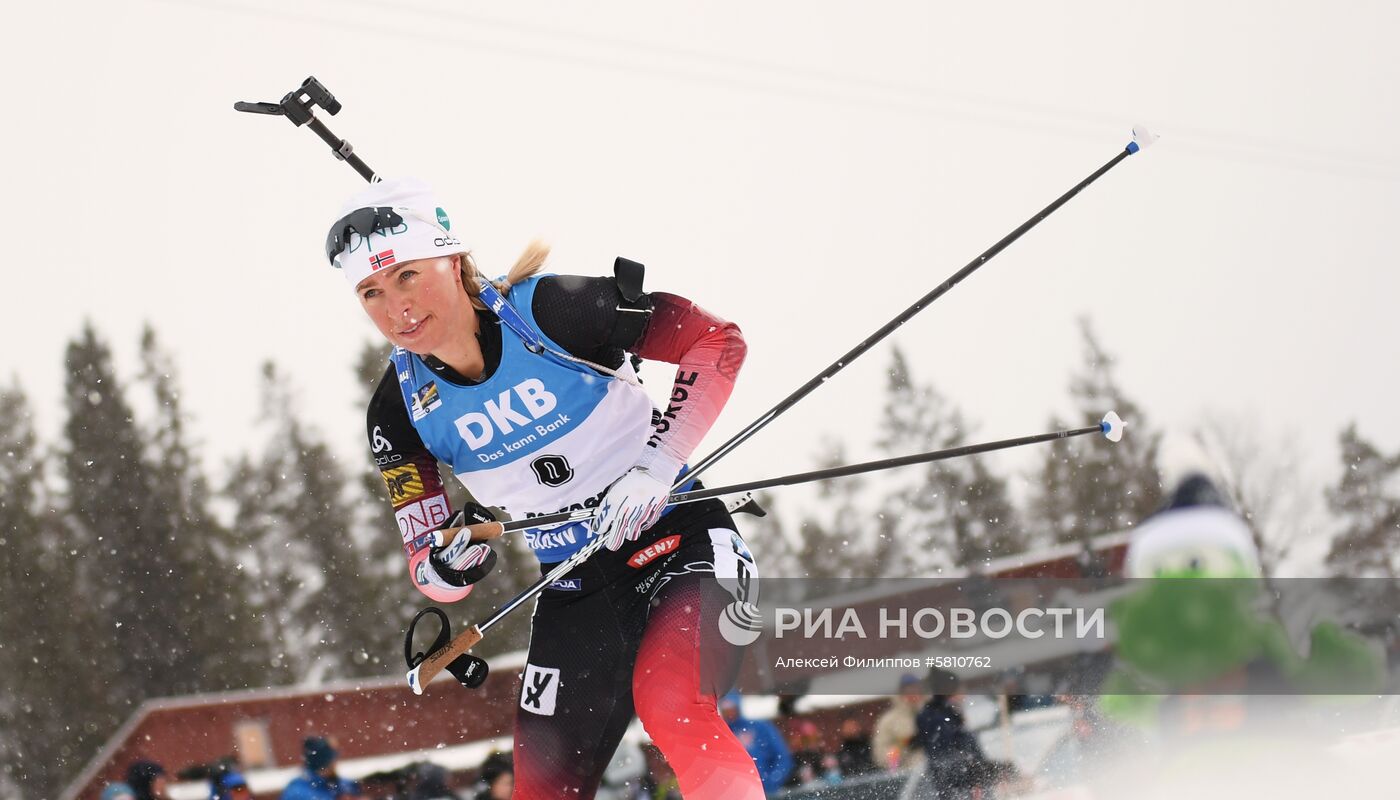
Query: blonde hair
{"type": "Point", "coordinates": [530, 262]}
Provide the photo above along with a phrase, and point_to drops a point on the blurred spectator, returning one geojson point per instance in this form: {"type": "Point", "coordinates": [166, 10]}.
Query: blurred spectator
{"type": "Point", "coordinates": [431, 783]}
{"type": "Point", "coordinates": [806, 755]}
{"type": "Point", "coordinates": [787, 705]}
{"type": "Point", "coordinates": [763, 742]}
{"type": "Point", "coordinates": [853, 756]}
{"type": "Point", "coordinates": [228, 785]}
{"type": "Point", "coordinates": [147, 780]}
{"type": "Point", "coordinates": [957, 767]}
{"type": "Point", "coordinates": [1092, 744]}
{"type": "Point", "coordinates": [1029, 702]}
{"type": "Point", "coordinates": [895, 730]}
{"type": "Point", "coordinates": [118, 791]}
{"type": "Point", "coordinates": [622, 780]}
{"type": "Point", "coordinates": [497, 779]}
{"type": "Point", "coordinates": [319, 781]}
{"type": "Point", "coordinates": [660, 781]}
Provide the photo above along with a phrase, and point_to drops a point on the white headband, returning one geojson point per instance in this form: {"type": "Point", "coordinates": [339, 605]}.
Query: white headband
{"type": "Point", "coordinates": [424, 232]}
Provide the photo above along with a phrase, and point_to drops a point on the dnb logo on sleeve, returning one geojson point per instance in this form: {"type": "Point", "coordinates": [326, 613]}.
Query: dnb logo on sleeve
{"type": "Point", "coordinates": [552, 470]}
{"type": "Point", "coordinates": [539, 690]}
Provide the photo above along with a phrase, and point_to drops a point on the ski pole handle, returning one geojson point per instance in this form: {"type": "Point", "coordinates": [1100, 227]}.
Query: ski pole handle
{"type": "Point", "coordinates": [1110, 427]}
{"type": "Point", "coordinates": [423, 674]}
{"type": "Point", "coordinates": [479, 532]}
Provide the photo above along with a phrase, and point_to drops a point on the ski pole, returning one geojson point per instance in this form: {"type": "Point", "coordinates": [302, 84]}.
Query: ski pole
{"type": "Point", "coordinates": [1110, 426]}
{"type": "Point", "coordinates": [299, 107]}
{"type": "Point", "coordinates": [421, 673]}
{"type": "Point", "coordinates": [1141, 138]}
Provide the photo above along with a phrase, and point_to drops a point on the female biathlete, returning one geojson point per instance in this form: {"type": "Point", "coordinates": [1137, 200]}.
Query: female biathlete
{"type": "Point", "coordinates": [529, 395]}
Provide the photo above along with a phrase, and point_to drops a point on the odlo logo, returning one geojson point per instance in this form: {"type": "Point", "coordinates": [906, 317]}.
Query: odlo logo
{"type": "Point", "coordinates": [379, 442]}
{"type": "Point", "coordinates": [552, 470]}
{"type": "Point", "coordinates": [654, 551]}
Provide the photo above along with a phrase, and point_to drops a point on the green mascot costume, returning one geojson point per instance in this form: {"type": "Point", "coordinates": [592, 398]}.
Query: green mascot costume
{"type": "Point", "coordinates": [1202, 625]}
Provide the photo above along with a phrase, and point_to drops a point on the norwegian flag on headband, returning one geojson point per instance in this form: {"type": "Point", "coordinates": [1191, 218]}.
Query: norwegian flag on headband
{"type": "Point", "coordinates": [379, 261]}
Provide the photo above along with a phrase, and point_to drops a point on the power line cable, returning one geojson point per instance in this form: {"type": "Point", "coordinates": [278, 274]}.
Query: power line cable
{"type": "Point", "coordinates": [916, 100]}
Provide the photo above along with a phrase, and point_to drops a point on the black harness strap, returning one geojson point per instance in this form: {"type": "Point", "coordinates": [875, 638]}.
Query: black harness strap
{"type": "Point", "coordinates": [635, 309]}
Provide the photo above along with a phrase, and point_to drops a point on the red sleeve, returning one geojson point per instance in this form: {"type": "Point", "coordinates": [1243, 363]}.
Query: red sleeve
{"type": "Point", "coordinates": [708, 352]}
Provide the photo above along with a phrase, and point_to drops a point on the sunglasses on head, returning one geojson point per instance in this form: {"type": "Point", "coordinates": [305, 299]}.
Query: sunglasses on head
{"type": "Point", "coordinates": [362, 221]}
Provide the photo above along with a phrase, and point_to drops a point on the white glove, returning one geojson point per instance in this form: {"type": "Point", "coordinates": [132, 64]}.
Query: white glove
{"type": "Point", "coordinates": [463, 563]}
{"type": "Point", "coordinates": [462, 555]}
{"type": "Point", "coordinates": [632, 504]}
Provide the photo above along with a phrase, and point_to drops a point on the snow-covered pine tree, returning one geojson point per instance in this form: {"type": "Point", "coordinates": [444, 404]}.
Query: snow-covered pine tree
{"type": "Point", "coordinates": [948, 513]}
{"type": "Point", "coordinates": [986, 525]}
{"type": "Point", "coordinates": [1082, 490]}
{"type": "Point", "coordinates": [776, 546]}
{"type": "Point", "coordinates": [121, 543]}
{"type": "Point", "coordinates": [1051, 506]}
{"type": "Point", "coordinates": [213, 585]}
{"type": "Point", "coordinates": [838, 533]}
{"type": "Point", "coordinates": [44, 723]}
{"type": "Point", "coordinates": [314, 587]}
{"type": "Point", "coordinates": [395, 601]}
{"type": "Point", "coordinates": [1367, 501]}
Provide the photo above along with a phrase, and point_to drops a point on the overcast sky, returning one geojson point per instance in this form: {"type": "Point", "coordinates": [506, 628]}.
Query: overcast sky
{"type": "Point", "coordinates": [805, 169]}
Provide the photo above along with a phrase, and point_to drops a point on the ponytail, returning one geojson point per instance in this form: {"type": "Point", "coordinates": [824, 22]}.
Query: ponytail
{"type": "Point", "coordinates": [530, 262]}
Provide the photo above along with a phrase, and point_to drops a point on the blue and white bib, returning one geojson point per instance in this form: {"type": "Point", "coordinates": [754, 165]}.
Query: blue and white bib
{"type": "Point", "coordinates": [540, 435]}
